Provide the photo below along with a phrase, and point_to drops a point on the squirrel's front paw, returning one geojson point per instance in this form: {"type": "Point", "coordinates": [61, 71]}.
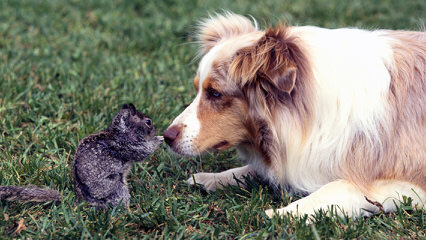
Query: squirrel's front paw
{"type": "Point", "coordinates": [159, 139]}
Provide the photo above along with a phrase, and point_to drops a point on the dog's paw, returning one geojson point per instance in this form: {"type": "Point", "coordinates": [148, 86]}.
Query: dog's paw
{"type": "Point", "coordinates": [295, 209]}
{"type": "Point", "coordinates": [283, 211]}
{"type": "Point", "coordinates": [208, 180]}
{"type": "Point", "coordinates": [270, 213]}
{"type": "Point", "coordinates": [277, 212]}
{"type": "Point", "coordinates": [299, 208]}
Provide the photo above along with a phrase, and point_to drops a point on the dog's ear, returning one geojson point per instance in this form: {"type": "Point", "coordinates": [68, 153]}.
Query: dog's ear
{"type": "Point", "coordinates": [282, 81]}
{"type": "Point", "coordinates": [215, 28]}
{"type": "Point", "coordinates": [270, 66]}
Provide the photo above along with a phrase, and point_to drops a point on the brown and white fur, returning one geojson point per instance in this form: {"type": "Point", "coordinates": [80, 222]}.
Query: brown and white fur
{"type": "Point", "coordinates": [337, 113]}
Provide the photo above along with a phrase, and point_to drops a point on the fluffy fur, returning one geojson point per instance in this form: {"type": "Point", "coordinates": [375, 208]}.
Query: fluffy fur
{"type": "Point", "coordinates": [103, 160]}
{"type": "Point", "coordinates": [337, 113]}
{"type": "Point", "coordinates": [29, 194]}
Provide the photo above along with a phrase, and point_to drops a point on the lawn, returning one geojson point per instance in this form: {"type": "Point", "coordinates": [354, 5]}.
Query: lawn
{"type": "Point", "coordinates": [67, 66]}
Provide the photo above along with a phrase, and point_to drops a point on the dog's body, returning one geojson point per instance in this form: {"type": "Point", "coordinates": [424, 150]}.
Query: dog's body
{"type": "Point", "coordinates": [340, 114]}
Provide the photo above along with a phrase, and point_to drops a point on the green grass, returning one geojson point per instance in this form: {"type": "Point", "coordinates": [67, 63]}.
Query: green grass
{"type": "Point", "coordinates": [67, 66]}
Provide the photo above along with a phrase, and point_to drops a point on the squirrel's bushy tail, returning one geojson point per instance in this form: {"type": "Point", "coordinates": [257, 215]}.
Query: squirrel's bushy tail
{"type": "Point", "coordinates": [29, 194]}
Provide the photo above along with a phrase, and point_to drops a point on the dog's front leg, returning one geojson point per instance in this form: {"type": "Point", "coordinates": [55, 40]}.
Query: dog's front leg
{"type": "Point", "coordinates": [341, 194]}
{"type": "Point", "coordinates": [213, 181]}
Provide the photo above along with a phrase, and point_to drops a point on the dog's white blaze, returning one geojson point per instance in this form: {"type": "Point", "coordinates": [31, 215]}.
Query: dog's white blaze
{"type": "Point", "coordinates": [349, 100]}
{"type": "Point", "coordinates": [190, 128]}
{"type": "Point", "coordinates": [206, 63]}
{"type": "Point", "coordinates": [188, 119]}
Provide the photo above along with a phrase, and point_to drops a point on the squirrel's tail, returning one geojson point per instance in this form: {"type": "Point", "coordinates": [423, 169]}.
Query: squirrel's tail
{"type": "Point", "coordinates": [29, 194]}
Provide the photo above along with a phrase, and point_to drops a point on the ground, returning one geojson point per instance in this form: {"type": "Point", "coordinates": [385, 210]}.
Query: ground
{"type": "Point", "coordinates": [67, 66]}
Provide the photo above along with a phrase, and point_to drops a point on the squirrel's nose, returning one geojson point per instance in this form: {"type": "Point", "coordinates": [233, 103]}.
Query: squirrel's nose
{"type": "Point", "coordinates": [171, 134]}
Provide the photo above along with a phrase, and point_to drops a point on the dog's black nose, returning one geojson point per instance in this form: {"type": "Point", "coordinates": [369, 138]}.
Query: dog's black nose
{"type": "Point", "coordinates": [171, 134]}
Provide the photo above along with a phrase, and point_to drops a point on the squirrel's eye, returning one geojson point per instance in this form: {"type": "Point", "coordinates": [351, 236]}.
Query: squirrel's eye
{"type": "Point", "coordinates": [213, 93]}
{"type": "Point", "coordinates": [148, 122]}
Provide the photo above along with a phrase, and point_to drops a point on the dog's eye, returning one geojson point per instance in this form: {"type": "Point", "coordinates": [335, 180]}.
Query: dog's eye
{"type": "Point", "coordinates": [212, 93]}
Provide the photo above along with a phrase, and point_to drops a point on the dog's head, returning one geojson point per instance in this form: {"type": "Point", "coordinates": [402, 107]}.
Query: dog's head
{"type": "Point", "coordinates": [243, 75]}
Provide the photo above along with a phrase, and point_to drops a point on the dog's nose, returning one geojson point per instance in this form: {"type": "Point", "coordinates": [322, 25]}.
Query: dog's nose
{"type": "Point", "coordinates": [171, 134]}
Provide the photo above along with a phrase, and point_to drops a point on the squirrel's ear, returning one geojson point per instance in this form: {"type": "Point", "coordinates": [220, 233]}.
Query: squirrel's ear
{"type": "Point", "coordinates": [124, 106]}
{"type": "Point", "coordinates": [132, 109]}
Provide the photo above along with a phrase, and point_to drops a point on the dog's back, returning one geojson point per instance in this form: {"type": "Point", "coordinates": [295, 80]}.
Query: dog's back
{"type": "Point", "coordinates": [369, 111]}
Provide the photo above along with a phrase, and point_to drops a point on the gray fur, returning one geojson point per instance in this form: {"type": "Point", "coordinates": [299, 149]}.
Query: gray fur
{"type": "Point", "coordinates": [29, 194]}
{"type": "Point", "coordinates": [103, 160]}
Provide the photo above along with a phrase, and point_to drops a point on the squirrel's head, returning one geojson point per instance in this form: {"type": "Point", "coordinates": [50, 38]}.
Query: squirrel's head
{"type": "Point", "coordinates": [132, 123]}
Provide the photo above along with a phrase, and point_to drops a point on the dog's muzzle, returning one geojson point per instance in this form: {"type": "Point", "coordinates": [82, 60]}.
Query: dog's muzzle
{"type": "Point", "coordinates": [171, 134]}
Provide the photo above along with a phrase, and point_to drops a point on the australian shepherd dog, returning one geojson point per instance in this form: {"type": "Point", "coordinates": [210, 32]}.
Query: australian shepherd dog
{"type": "Point", "coordinates": [339, 114]}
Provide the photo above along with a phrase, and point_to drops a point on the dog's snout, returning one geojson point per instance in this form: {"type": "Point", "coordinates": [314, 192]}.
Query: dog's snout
{"type": "Point", "coordinates": [171, 134]}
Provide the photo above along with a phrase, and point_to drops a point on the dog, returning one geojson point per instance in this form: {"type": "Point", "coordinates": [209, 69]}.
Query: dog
{"type": "Point", "coordinates": [339, 114]}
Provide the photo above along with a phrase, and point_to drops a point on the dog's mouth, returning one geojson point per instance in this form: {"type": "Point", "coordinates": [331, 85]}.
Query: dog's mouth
{"type": "Point", "coordinates": [184, 151]}
{"type": "Point", "coordinates": [222, 145]}
{"type": "Point", "coordinates": [193, 151]}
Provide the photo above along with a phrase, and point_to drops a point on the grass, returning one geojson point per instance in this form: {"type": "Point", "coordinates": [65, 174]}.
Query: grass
{"type": "Point", "coordinates": [67, 66]}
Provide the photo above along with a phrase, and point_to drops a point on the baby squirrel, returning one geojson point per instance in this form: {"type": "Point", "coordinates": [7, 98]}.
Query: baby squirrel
{"type": "Point", "coordinates": [102, 162]}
